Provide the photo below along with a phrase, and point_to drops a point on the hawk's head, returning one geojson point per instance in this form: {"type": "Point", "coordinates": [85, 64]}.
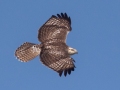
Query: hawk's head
{"type": "Point", "coordinates": [72, 51]}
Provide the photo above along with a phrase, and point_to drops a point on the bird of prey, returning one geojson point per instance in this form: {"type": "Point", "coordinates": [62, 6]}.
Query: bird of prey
{"type": "Point", "coordinates": [53, 51]}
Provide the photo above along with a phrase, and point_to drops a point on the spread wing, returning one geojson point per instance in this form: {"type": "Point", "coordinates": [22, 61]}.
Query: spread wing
{"type": "Point", "coordinates": [57, 58]}
{"type": "Point", "coordinates": [27, 51]}
{"type": "Point", "coordinates": [57, 27]}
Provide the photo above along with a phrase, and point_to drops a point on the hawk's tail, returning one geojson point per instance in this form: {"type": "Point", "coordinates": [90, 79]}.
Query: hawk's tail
{"type": "Point", "coordinates": [27, 51]}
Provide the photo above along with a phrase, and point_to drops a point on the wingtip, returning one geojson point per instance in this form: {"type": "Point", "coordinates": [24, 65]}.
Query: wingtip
{"type": "Point", "coordinates": [68, 71]}
{"type": "Point", "coordinates": [60, 73]}
{"type": "Point", "coordinates": [53, 16]}
{"type": "Point", "coordinates": [63, 15]}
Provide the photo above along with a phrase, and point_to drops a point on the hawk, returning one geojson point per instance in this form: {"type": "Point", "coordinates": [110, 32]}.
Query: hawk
{"type": "Point", "coordinates": [53, 51]}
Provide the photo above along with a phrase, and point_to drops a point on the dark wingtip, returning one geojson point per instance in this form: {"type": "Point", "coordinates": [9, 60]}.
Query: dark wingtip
{"type": "Point", "coordinates": [65, 73]}
{"type": "Point", "coordinates": [59, 15]}
{"type": "Point", "coordinates": [63, 15]}
{"type": "Point", "coordinates": [68, 71]}
{"type": "Point", "coordinates": [53, 16]}
{"type": "Point", "coordinates": [60, 73]}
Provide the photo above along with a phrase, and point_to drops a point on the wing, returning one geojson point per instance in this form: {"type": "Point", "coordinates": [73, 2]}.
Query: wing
{"type": "Point", "coordinates": [57, 27]}
{"type": "Point", "coordinates": [27, 51]}
{"type": "Point", "coordinates": [57, 58]}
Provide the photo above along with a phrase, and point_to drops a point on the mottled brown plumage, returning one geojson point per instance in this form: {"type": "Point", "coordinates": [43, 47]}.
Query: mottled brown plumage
{"type": "Point", "coordinates": [53, 50]}
{"type": "Point", "coordinates": [27, 51]}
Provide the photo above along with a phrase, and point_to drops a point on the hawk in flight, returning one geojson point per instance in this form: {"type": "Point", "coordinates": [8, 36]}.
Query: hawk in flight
{"type": "Point", "coordinates": [53, 51]}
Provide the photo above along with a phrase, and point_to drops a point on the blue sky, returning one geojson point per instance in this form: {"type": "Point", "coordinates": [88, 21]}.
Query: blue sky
{"type": "Point", "coordinates": [95, 34]}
